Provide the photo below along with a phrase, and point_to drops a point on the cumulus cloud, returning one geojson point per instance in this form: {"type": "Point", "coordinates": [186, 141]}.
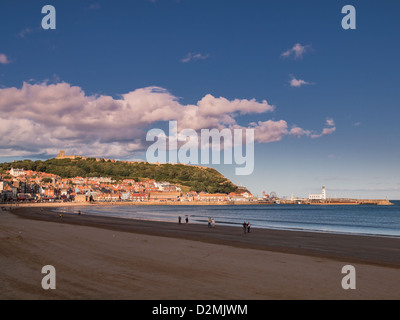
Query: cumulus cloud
{"type": "Point", "coordinates": [298, 82]}
{"type": "Point", "coordinates": [194, 56]}
{"type": "Point", "coordinates": [325, 132]}
{"type": "Point", "coordinates": [42, 118]}
{"type": "Point", "coordinates": [4, 59]}
{"type": "Point", "coordinates": [296, 52]}
{"type": "Point", "coordinates": [299, 132]}
{"type": "Point", "coordinates": [330, 122]}
{"type": "Point", "coordinates": [270, 131]}
{"type": "Point", "coordinates": [45, 117]}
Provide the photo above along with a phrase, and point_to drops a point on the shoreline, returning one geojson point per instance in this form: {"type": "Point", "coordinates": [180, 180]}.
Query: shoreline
{"type": "Point", "coordinates": [55, 207]}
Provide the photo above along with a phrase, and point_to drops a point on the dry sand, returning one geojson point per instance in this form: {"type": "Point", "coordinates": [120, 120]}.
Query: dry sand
{"type": "Point", "coordinates": [108, 258]}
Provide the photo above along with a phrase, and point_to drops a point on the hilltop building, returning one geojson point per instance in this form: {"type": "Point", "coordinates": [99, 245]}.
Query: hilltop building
{"type": "Point", "coordinates": [17, 172]}
{"type": "Point", "coordinates": [61, 155]}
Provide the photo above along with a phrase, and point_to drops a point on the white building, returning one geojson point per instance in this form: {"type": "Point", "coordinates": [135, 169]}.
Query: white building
{"type": "Point", "coordinates": [102, 179]}
{"type": "Point", "coordinates": [321, 196]}
{"type": "Point", "coordinates": [17, 172]}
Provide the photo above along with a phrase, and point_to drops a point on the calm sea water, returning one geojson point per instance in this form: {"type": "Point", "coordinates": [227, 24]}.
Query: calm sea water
{"type": "Point", "coordinates": [361, 219]}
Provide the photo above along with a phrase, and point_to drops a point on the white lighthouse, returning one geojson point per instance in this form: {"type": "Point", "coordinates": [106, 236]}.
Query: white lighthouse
{"type": "Point", "coordinates": [323, 193]}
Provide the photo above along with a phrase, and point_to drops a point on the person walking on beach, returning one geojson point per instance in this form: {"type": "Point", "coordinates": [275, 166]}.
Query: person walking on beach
{"type": "Point", "coordinates": [248, 227]}
{"type": "Point", "coordinates": [187, 219]}
{"type": "Point", "coordinates": [209, 222]}
{"type": "Point", "coordinates": [179, 219]}
{"type": "Point", "coordinates": [213, 223]}
{"type": "Point", "coordinates": [244, 227]}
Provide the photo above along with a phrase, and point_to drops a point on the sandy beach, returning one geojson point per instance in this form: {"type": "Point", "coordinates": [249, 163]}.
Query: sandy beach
{"type": "Point", "coordinates": [110, 258]}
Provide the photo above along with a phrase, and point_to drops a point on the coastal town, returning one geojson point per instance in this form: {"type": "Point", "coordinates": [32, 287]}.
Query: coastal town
{"type": "Point", "coordinates": [19, 185]}
{"type": "Point", "coordinates": [27, 186]}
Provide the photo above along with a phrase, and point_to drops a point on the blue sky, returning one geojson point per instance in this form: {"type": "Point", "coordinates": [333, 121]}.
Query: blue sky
{"type": "Point", "coordinates": [226, 49]}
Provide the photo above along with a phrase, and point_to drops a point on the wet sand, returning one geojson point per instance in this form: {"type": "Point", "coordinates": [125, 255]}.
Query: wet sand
{"type": "Point", "coordinates": [111, 258]}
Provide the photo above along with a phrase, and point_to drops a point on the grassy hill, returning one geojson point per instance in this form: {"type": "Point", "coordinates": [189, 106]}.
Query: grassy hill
{"type": "Point", "coordinates": [188, 177]}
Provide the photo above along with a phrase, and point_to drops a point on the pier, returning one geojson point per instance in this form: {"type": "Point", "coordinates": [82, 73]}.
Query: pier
{"type": "Point", "coordinates": [334, 201]}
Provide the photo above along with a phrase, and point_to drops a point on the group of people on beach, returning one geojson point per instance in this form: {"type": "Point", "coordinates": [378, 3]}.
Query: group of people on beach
{"type": "Point", "coordinates": [180, 219]}
{"type": "Point", "coordinates": [211, 223]}
{"type": "Point", "coordinates": [246, 227]}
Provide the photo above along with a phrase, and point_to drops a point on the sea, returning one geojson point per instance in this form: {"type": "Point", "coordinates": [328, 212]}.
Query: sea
{"type": "Point", "coordinates": [372, 220]}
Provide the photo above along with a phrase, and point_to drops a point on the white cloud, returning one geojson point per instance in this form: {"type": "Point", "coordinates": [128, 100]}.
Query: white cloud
{"type": "Point", "coordinates": [270, 131]}
{"type": "Point", "coordinates": [297, 51]}
{"type": "Point", "coordinates": [298, 82]}
{"type": "Point", "coordinates": [194, 56]}
{"type": "Point", "coordinates": [325, 132]}
{"type": "Point", "coordinates": [43, 118]}
{"type": "Point", "coordinates": [4, 59]}
{"type": "Point", "coordinates": [299, 132]}
{"type": "Point", "coordinates": [330, 122]}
